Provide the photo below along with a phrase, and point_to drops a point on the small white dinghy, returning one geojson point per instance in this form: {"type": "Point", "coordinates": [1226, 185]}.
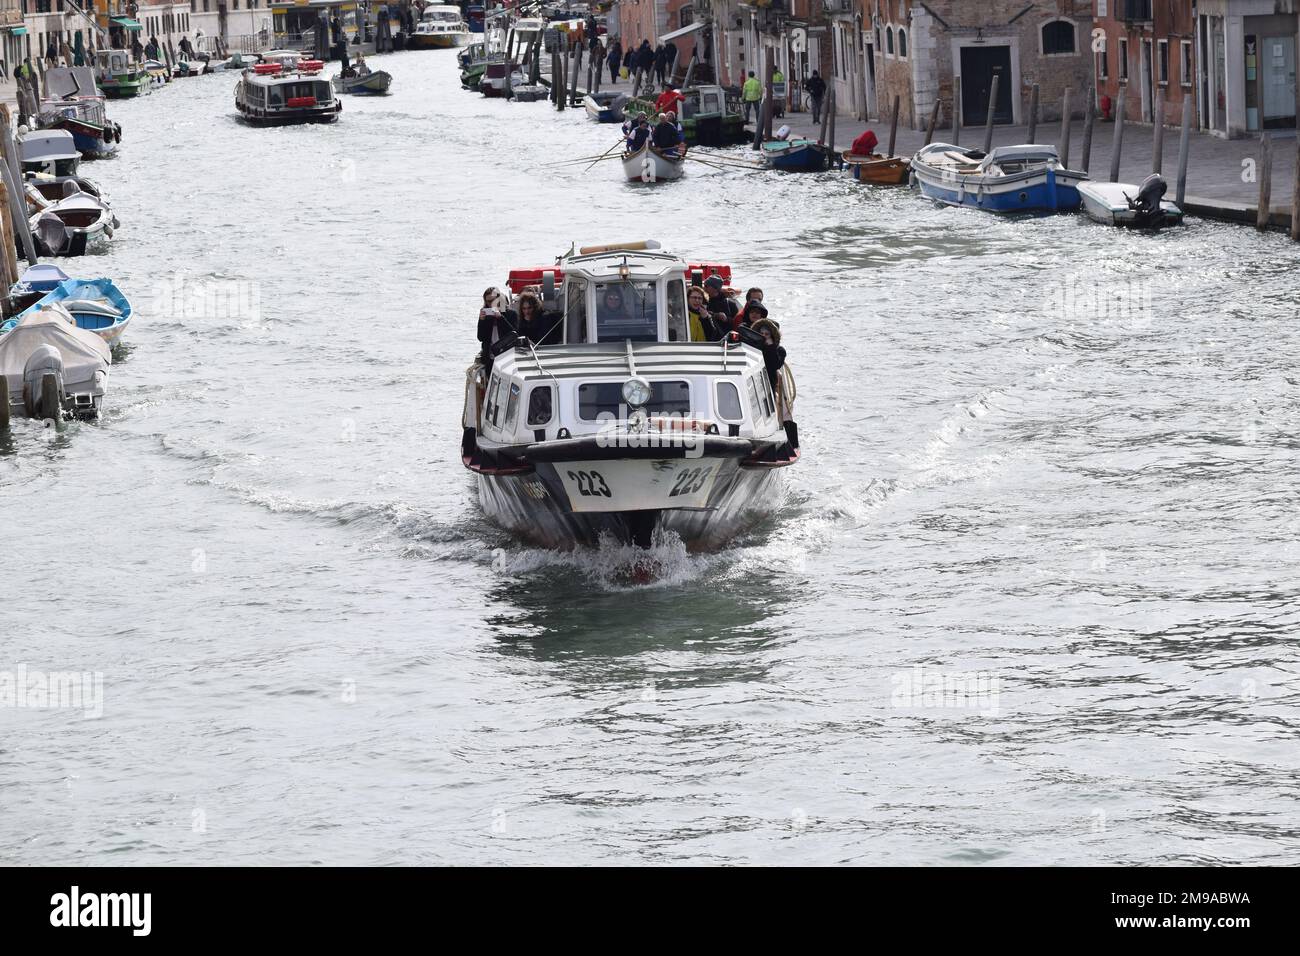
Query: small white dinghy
{"type": "Point", "coordinates": [1123, 204]}
{"type": "Point", "coordinates": [650, 165]}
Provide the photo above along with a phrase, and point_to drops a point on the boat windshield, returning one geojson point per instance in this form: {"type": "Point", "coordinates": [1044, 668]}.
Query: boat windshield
{"type": "Point", "coordinates": [626, 310]}
{"type": "Point", "coordinates": [441, 16]}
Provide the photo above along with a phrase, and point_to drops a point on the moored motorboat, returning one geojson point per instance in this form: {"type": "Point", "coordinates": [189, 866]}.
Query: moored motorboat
{"type": "Point", "coordinates": [651, 165]}
{"type": "Point", "coordinates": [877, 169]}
{"type": "Point", "coordinates": [118, 77]}
{"type": "Point", "coordinates": [1010, 179]}
{"type": "Point", "coordinates": [54, 369]}
{"type": "Point", "coordinates": [605, 106]}
{"type": "Point", "coordinates": [797, 155]}
{"type": "Point", "coordinates": [615, 423]}
{"type": "Point", "coordinates": [271, 95]}
{"type": "Point", "coordinates": [73, 103]}
{"type": "Point", "coordinates": [74, 226]}
{"type": "Point", "coordinates": [34, 284]}
{"type": "Point", "coordinates": [370, 83]}
{"type": "Point", "coordinates": [1123, 204]}
{"type": "Point", "coordinates": [96, 305]}
{"type": "Point", "coordinates": [52, 151]}
{"type": "Point", "coordinates": [441, 26]}
{"type": "Point", "coordinates": [157, 72]}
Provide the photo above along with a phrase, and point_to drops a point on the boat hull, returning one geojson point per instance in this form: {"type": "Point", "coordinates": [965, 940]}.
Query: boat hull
{"type": "Point", "coordinates": [1037, 191]}
{"type": "Point", "coordinates": [1105, 203]}
{"type": "Point", "coordinates": [648, 165]}
{"type": "Point", "coordinates": [536, 506]}
{"type": "Point", "coordinates": [324, 114]}
{"type": "Point", "coordinates": [439, 41]}
{"type": "Point", "coordinates": [878, 170]}
{"type": "Point", "coordinates": [375, 83]}
{"type": "Point", "coordinates": [124, 89]}
{"type": "Point", "coordinates": [801, 158]}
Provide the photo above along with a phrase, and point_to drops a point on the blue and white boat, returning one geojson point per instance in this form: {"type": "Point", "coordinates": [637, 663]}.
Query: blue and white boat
{"type": "Point", "coordinates": [1010, 179]}
{"type": "Point", "coordinates": [605, 106]}
{"type": "Point", "coordinates": [796, 155]}
{"type": "Point", "coordinates": [96, 305]}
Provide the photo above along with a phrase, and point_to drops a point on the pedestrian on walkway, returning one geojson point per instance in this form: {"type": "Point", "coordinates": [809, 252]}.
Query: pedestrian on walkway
{"type": "Point", "coordinates": [816, 88]}
{"type": "Point", "coordinates": [615, 59]}
{"type": "Point", "coordinates": [752, 94]}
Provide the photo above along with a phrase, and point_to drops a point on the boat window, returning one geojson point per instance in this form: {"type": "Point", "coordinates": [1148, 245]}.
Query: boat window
{"type": "Point", "coordinates": [626, 310]}
{"type": "Point", "coordinates": [492, 408]}
{"type": "Point", "coordinates": [765, 386]}
{"type": "Point", "coordinates": [753, 399]}
{"type": "Point", "coordinates": [539, 405]}
{"type": "Point", "coordinates": [323, 92]}
{"type": "Point", "coordinates": [709, 103]}
{"type": "Point", "coordinates": [275, 95]}
{"type": "Point", "coordinates": [605, 399]}
{"type": "Point", "coordinates": [729, 409]}
{"type": "Point", "coordinates": [677, 331]}
{"type": "Point", "coordinates": [575, 311]}
{"type": "Point", "coordinates": [512, 406]}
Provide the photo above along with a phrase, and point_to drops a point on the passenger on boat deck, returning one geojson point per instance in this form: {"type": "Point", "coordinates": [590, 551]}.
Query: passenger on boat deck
{"type": "Point", "coordinates": [865, 144]}
{"type": "Point", "coordinates": [531, 322]}
{"type": "Point", "coordinates": [773, 353]}
{"type": "Point", "coordinates": [755, 294]}
{"type": "Point", "coordinates": [640, 133]}
{"type": "Point", "coordinates": [754, 311]}
{"type": "Point", "coordinates": [667, 137]}
{"type": "Point", "coordinates": [697, 316]}
{"type": "Point", "coordinates": [668, 99]}
{"type": "Point", "coordinates": [492, 325]}
{"type": "Point", "coordinates": [362, 67]}
{"type": "Point", "coordinates": [719, 303]}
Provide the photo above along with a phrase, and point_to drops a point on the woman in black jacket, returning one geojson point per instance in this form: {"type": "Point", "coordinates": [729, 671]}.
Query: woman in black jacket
{"type": "Point", "coordinates": [773, 354]}
{"type": "Point", "coordinates": [615, 59]}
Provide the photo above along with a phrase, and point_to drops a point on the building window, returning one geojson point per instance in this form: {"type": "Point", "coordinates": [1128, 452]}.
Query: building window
{"type": "Point", "coordinates": [1058, 38]}
{"type": "Point", "coordinates": [686, 15]}
{"type": "Point", "coordinates": [1185, 68]}
{"type": "Point", "coordinates": [902, 44]}
{"type": "Point", "coordinates": [1163, 53]}
{"type": "Point", "coordinates": [1103, 61]}
{"type": "Point", "coordinates": [1122, 64]}
{"type": "Point", "coordinates": [889, 41]}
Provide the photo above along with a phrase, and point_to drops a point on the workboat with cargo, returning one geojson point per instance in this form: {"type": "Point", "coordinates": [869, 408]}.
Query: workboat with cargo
{"type": "Point", "coordinates": [616, 416]}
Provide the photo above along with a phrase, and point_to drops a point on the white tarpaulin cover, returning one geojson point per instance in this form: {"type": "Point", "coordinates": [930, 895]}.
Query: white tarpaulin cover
{"type": "Point", "coordinates": [84, 353]}
{"type": "Point", "coordinates": [61, 81]}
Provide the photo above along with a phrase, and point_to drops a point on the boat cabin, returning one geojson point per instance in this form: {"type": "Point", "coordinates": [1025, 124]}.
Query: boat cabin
{"type": "Point", "coordinates": [622, 350]}
{"type": "Point", "coordinates": [52, 151]}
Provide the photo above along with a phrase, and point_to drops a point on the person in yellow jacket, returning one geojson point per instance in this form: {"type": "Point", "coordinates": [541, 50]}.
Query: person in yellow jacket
{"type": "Point", "coordinates": [752, 94]}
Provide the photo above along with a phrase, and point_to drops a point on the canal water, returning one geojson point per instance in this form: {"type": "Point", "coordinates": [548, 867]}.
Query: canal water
{"type": "Point", "coordinates": [1031, 595]}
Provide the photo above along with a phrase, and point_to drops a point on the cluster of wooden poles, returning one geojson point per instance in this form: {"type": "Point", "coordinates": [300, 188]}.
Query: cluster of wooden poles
{"type": "Point", "coordinates": [15, 232]}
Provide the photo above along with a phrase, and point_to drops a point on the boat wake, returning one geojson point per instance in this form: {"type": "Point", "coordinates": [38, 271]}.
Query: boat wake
{"type": "Point", "coordinates": [611, 566]}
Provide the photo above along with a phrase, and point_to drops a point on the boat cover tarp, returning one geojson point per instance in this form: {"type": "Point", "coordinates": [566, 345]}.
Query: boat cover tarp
{"type": "Point", "coordinates": [84, 353]}
{"type": "Point", "coordinates": [61, 81]}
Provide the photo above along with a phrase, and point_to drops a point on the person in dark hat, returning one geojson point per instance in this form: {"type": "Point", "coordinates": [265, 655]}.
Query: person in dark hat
{"type": "Point", "coordinates": [720, 305]}
{"type": "Point", "coordinates": [753, 312]}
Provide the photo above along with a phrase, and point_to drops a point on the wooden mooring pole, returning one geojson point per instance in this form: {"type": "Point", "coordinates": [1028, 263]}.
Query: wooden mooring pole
{"type": "Point", "coordinates": [988, 120]}
{"type": "Point", "coordinates": [1184, 147]}
{"type": "Point", "coordinates": [1117, 144]}
{"type": "Point", "coordinates": [1088, 113]}
{"type": "Point", "coordinates": [1064, 147]}
{"type": "Point", "coordinates": [934, 120]}
{"type": "Point", "coordinates": [1264, 171]}
{"type": "Point", "coordinates": [1158, 134]}
{"type": "Point", "coordinates": [1033, 112]}
{"type": "Point", "coordinates": [956, 110]}
{"type": "Point", "coordinates": [893, 128]}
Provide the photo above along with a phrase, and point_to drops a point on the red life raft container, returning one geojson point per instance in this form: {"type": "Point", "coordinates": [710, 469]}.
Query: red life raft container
{"type": "Point", "coordinates": [311, 66]}
{"type": "Point", "coordinates": [262, 69]}
{"type": "Point", "coordinates": [709, 269]}
{"type": "Point", "coordinates": [521, 279]}
{"type": "Point", "coordinates": [300, 102]}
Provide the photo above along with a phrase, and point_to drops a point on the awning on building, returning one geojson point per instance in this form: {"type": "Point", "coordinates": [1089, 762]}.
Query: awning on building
{"type": "Point", "coordinates": [17, 31]}
{"type": "Point", "coordinates": [682, 32]}
{"type": "Point", "coordinates": [126, 23]}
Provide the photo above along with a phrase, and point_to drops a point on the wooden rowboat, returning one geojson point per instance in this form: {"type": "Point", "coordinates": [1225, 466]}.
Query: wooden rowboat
{"type": "Point", "coordinates": [650, 165]}
{"type": "Point", "coordinates": [877, 169]}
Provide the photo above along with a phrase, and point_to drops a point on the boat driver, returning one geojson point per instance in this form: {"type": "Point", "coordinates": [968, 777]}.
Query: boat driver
{"type": "Point", "coordinates": [611, 305]}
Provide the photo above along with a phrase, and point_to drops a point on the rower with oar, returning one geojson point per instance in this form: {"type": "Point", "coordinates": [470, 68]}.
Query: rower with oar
{"type": "Point", "coordinates": [667, 136]}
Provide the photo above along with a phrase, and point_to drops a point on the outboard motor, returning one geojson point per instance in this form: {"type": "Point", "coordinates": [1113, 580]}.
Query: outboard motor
{"type": "Point", "coordinates": [51, 235]}
{"type": "Point", "coordinates": [1147, 203]}
{"type": "Point", "coordinates": [41, 398]}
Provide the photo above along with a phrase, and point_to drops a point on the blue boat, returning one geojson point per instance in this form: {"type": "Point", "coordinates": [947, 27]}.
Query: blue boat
{"type": "Point", "coordinates": [96, 305]}
{"type": "Point", "coordinates": [606, 106]}
{"type": "Point", "coordinates": [796, 155]}
{"type": "Point", "coordinates": [1010, 179]}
